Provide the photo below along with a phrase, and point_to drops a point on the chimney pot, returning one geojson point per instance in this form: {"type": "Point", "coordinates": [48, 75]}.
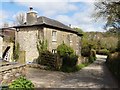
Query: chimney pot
{"type": "Point", "coordinates": [31, 8]}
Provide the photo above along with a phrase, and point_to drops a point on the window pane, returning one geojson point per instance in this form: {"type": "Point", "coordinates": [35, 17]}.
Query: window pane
{"type": "Point", "coordinates": [54, 36]}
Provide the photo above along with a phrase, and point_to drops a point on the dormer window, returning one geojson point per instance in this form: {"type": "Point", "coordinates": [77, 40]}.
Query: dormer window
{"type": "Point", "coordinates": [54, 36]}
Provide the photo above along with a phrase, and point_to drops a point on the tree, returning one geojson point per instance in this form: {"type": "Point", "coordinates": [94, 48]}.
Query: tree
{"type": "Point", "coordinates": [20, 18]}
{"type": "Point", "coordinates": [79, 30]}
{"type": "Point", "coordinates": [5, 25]}
{"type": "Point", "coordinates": [109, 10]}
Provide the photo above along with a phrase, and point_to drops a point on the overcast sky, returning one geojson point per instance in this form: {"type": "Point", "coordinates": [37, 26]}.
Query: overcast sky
{"type": "Point", "coordinates": [78, 13]}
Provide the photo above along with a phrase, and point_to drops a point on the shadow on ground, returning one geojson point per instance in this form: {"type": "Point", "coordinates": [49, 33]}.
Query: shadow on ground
{"type": "Point", "coordinates": [95, 75]}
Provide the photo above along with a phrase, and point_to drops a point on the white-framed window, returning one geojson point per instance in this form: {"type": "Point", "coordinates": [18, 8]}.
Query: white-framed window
{"type": "Point", "coordinates": [54, 36]}
{"type": "Point", "coordinates": [54, 51]}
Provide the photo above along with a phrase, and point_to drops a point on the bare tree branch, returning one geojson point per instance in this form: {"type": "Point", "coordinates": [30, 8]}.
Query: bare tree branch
{"type": "Point", "coordinates": [20, 18]}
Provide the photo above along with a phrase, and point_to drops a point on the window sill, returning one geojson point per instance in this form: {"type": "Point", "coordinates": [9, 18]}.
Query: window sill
{"type": "Point", "coordinates": [54, 40]}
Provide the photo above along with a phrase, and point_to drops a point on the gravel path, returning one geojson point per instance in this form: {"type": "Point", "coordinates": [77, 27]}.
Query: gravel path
{"type": "Point", "coordinates": [95, 75]}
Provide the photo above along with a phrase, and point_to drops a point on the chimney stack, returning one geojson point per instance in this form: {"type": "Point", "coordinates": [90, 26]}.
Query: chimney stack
{"type": "Point", "coordinates": [31, 16]}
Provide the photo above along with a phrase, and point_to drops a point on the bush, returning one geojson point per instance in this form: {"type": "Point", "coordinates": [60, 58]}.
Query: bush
{"type": "Point", "coordinates": [91, 59]}
{"type": "Point", "coordinates": [85, 51]}
{"type": "Point", "coordinates": [41, 47]}
{"type": "Point", "coordinates": [92, 56]}
{"type": "Point", "coordinates": [75, 68]}
{"type": "Point", "coordinates": [16, 51]}
{"type": "Point", "coordinates": [93, 53]}
{"type": "Point", "coordinates": [113, 63]}
{"type": "Point", "coordinates": [47, 58]}
{"type": "Point", "coordinates": [67, 69]}
{"type": "Point", "coordinates": [22, 82]}
{"type": "Point", "coordinates": [103, 52]}
{"type": "Point", "coordinates": [63, 49]}
{"type": "Point", "coordinates": [70, 60]}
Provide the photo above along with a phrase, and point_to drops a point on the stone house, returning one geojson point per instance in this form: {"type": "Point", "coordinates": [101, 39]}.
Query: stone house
{"type": "Point", "coordinates": [44, 28]}
{"type": "Point", "coordinates": [1, 44]}
{"type": "Point", "coordinates": [7, 43]}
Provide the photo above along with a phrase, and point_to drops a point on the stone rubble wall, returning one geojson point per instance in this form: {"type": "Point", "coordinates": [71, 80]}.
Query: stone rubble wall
{"type": "Point", "coordinates": [11, 72]}
{"type": "Point", "coordinates": [1, 44]}
{"type": "Point", "coordinates": [27, 39]}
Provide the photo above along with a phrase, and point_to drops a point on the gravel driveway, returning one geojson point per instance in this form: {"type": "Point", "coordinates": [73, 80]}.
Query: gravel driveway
{"type": "Point", "coordinates": [95, 75]}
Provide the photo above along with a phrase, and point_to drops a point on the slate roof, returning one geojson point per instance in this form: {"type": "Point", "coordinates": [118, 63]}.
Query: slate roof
{"type": "Point", "coordinates": [51, 22]}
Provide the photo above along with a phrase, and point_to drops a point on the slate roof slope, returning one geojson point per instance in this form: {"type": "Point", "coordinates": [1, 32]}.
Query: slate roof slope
{"type": "Point", "coordinates": [51, 22]}
{"type": "Point", "coordinates": [42, 20]}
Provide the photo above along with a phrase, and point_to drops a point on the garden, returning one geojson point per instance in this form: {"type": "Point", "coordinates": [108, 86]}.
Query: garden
{"type": "Point", "coordinates": [65, 59]}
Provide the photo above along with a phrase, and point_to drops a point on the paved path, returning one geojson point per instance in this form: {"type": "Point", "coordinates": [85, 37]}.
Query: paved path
{"type": "Point", "coordinates": [95, 75]}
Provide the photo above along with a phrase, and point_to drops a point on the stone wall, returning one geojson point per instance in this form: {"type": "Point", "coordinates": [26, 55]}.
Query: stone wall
{"type": "Point", "coordinates": [10, 72]}
{"type": "Point", "coordinates": [1, 44]}
{"type": "Point", "coordinates": [27, 39]}
{"type": "Point", "coordinates": [68, 38]}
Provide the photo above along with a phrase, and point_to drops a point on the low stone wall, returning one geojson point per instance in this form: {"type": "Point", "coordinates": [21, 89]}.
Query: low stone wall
{"type": "Point", "coordinates": [11, 72]}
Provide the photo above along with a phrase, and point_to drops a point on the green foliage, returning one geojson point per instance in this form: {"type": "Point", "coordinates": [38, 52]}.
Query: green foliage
{"type": "Point", "coordinates": [74, 69]}
{"type": "Point", "coordinates": [79, 30]}
{"type": "Point", "coordinates": [86, 50]}
{"type": "Point", "coordinates": [92, 59]}
{"type": "Point", "coordinates": [16, 51]}
{"type": "Point", "coordinates": [113, 63]}
{"type": "Point", "coordinates": [92, 56]}
{"type": "Point", "coordinates": [118, 45]}
{"type": "Point", "coordinates": [67, 69]}
{"type": "Point", "coordinates": [22, 83]}
{"type": "Point", "coordinates": [70, 60]}
{"type": "Point", "coordinates": [99, 41]}
{"type": "Point", "coordinates": [47, 58]}
{"type": "Point", "coordinates": [42, 46]}
{"type": "Point", "coordinates": [63, 49]}
{"type": "Point", "coordinates": [103, 52]}
{"type": "Point", "coordinates": [111, 12]}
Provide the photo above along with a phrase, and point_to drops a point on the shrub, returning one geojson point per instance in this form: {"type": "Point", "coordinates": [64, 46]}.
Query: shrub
{"type": "Point", "coordinates": [93, 53]}
{"type": "Point", "coordinates": [70, 60]}
{"type": "Point", "coordinates": [22, 82]}
{"type": "Point", "coordinates": [63, 49]}
{"type": "Point", "coordinates": [47, 58]}
{"type": "Point", "coordinates": [103, 52]}
{"type": "Point", "coordinates": [113, 63]}
{"type": "Point", "coordinates": [91, 59]}
{"type": "Point", "coordinates": [85, 51]}
{"type": "Point", "coordinates": [16, 51]}
{"type": "Point", "coordinates": [75, 68]}
{"type": "Point", "coordinates": [92, 56]}
{"type": "Point", "coordinates": [41, 47]}
{"type": "Point", "coordinates": [67, 69]}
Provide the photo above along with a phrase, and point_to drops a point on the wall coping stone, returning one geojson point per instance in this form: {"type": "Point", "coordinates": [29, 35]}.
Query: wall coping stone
{"type": "Point", "coordinates": [9, 67]}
